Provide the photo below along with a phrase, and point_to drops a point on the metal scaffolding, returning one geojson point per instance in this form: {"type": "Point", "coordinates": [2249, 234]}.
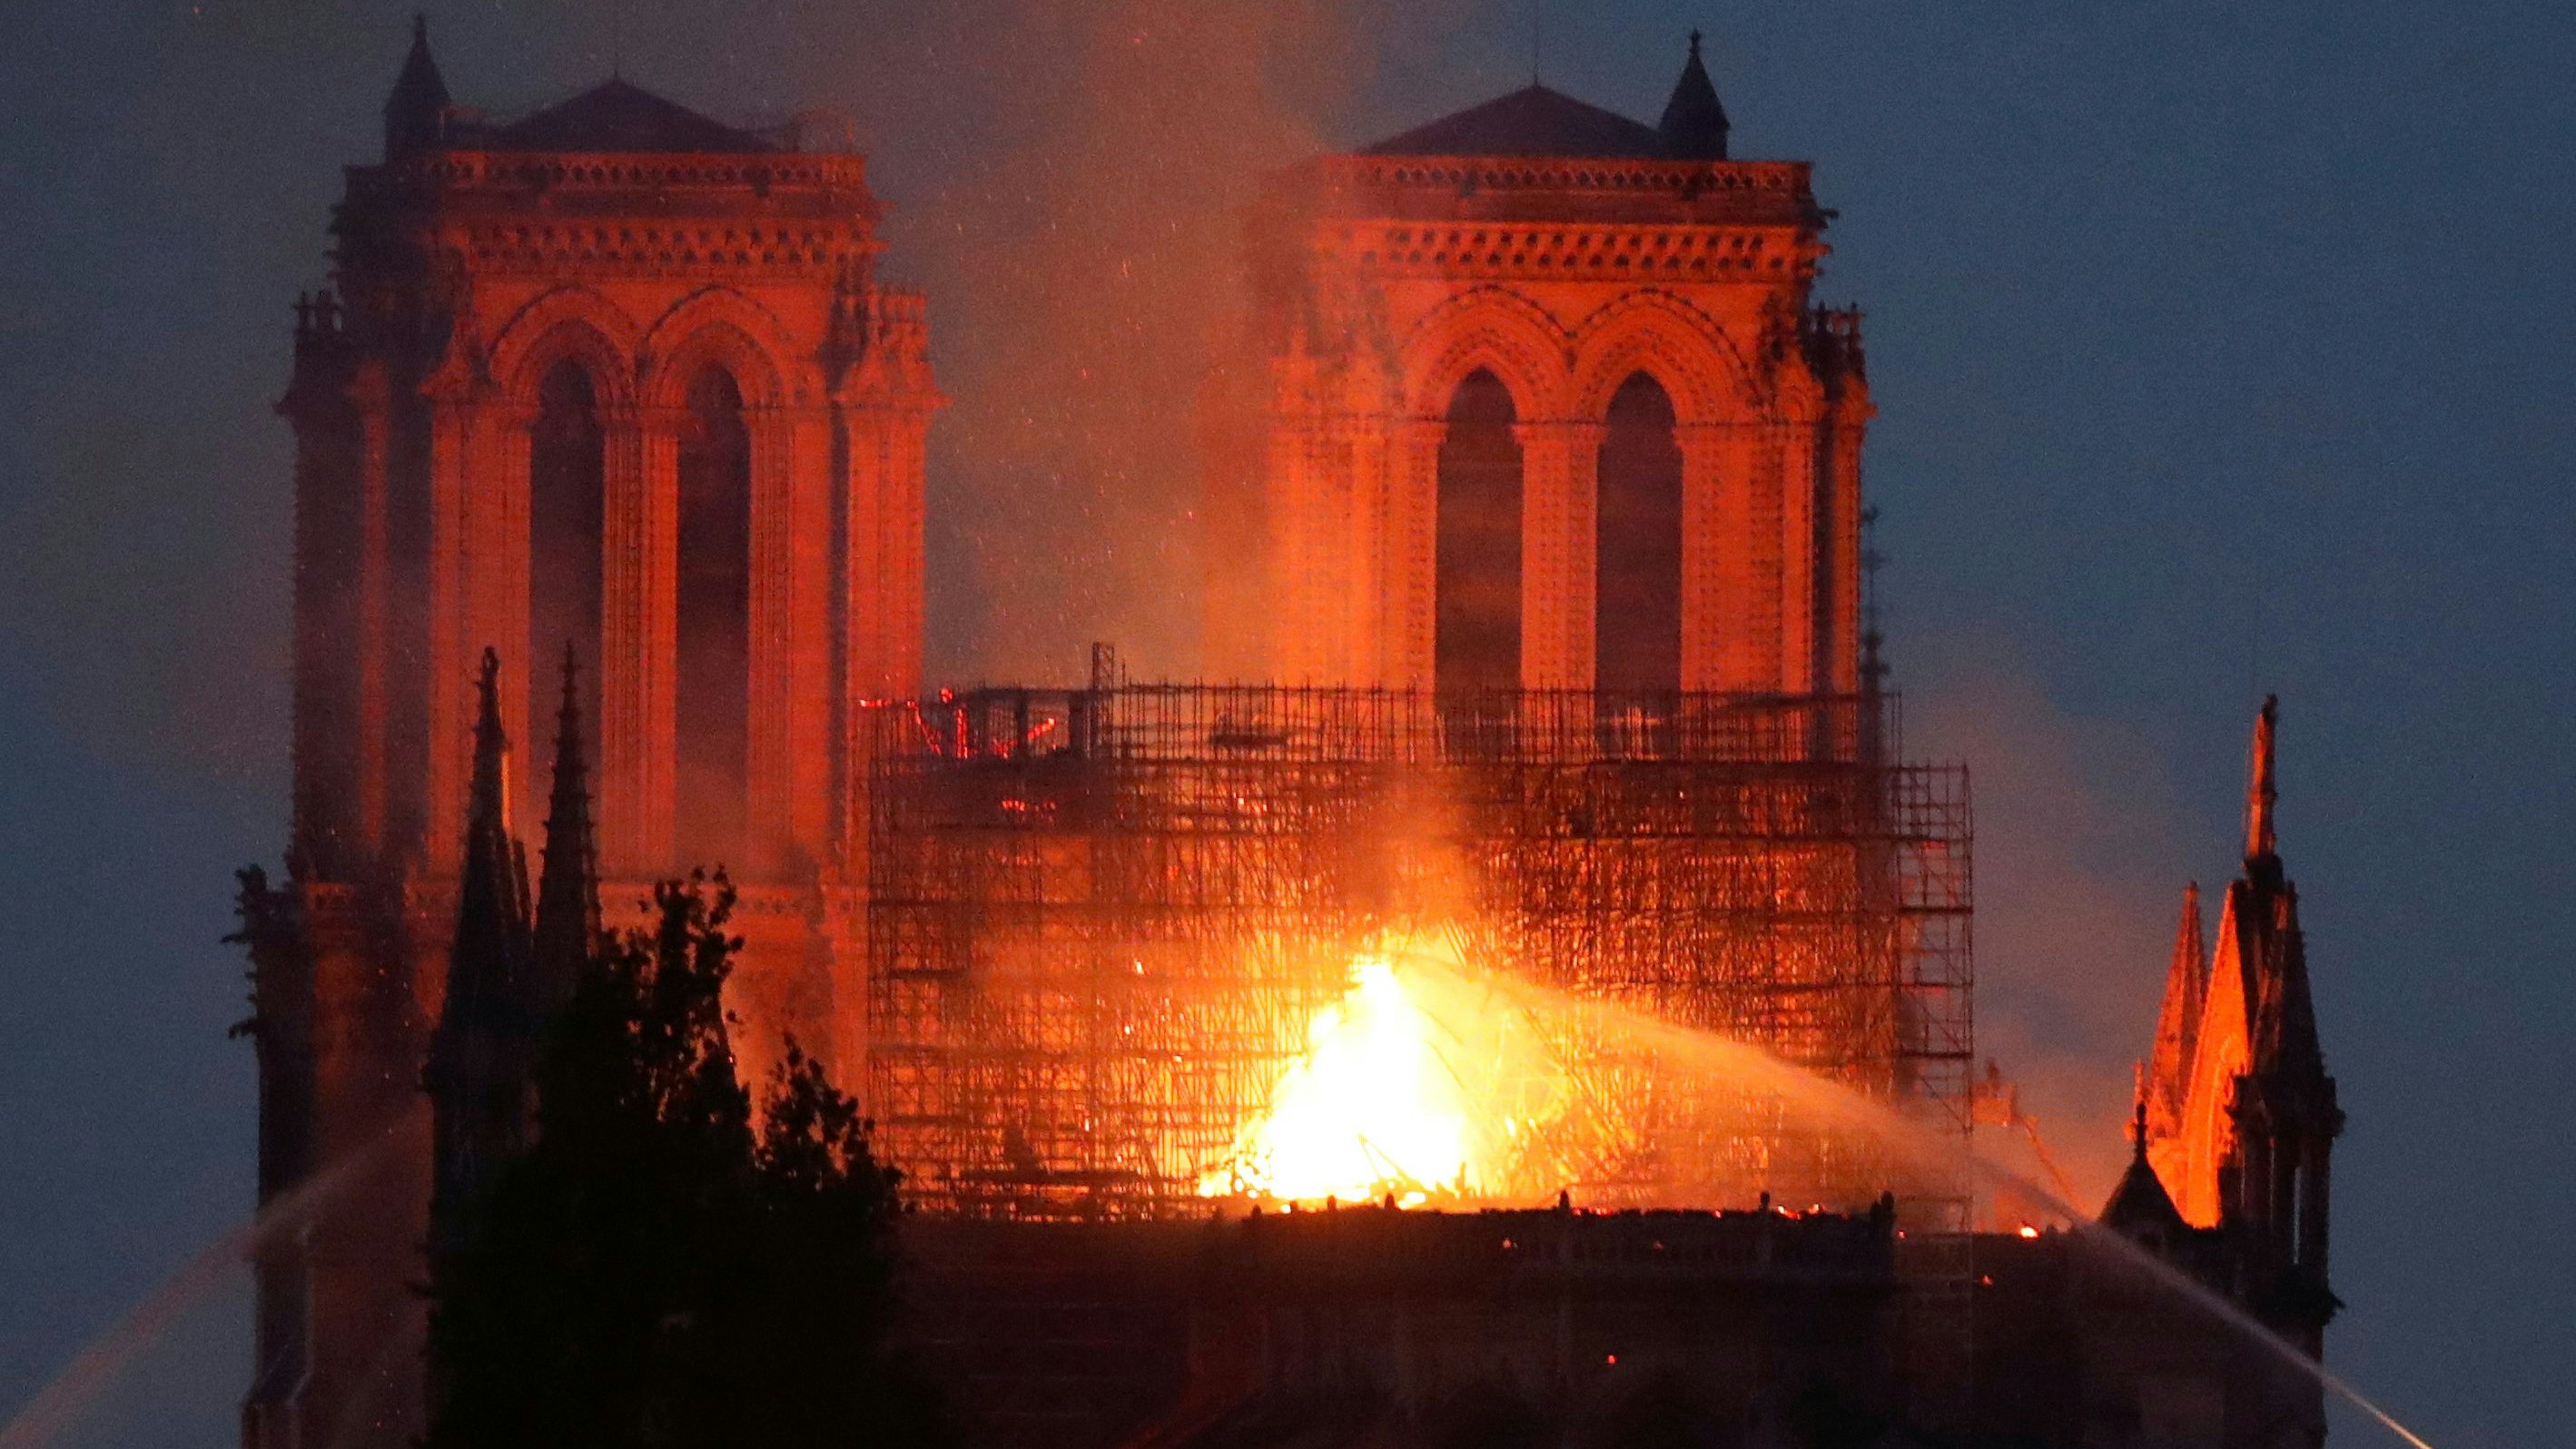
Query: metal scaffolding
{"type": "Point", "coordinates": [1100, 921]}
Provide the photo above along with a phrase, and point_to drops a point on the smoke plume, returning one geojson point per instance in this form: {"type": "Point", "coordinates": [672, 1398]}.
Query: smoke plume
{"type": "Point", "coordinates": [2081, 844]}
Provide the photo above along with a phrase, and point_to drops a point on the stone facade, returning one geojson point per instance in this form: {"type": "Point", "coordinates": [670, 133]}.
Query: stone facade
{"type": "Point", "coordinates": [611, 376]}
{"type": "Point", "coordinates": [1562, 252]}
{"type": "Point", "coordinates": [616, 376]}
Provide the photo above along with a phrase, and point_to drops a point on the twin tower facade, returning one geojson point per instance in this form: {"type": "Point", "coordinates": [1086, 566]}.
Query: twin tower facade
{"type": "Point", "coordinates": [1541, 404]}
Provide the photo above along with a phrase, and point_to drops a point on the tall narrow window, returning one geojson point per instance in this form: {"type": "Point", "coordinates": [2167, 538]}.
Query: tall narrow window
{"type": "Point", "coordinates": [1476, 591]}
{"type": "Point", "coordinates": [566, 503]}
{"type": "Point", "coordinates": [1637, 611]}
{"type": "Point", "coordinates": [713, 674]}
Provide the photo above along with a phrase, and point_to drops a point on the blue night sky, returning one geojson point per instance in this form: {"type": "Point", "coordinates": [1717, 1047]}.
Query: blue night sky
{"type": "Point", "coordinates": [2220, 348]}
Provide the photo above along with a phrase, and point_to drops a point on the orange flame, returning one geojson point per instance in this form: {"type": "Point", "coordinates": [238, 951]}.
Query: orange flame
{"type": "Point", "coordinates": [1372, 1107]}
{"type": "Point", "coordinates": [1418, 1083]}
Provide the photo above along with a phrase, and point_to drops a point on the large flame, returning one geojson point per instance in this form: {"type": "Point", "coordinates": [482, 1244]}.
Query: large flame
{"type": "Point", "coordinates": [1418, 1083]}
{"type": "Point", "coordinates": [1434, 1081]}
{"type": "Point", "coordinates": [1372, 1107]}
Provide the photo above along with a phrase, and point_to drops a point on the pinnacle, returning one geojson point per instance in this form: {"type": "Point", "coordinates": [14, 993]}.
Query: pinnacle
{"type": "Point", "coordinates": [1694, 124]}
{"type": "Point", "coordinates": [489, 802]}
{"type": "Point", "coordinates": [416, 111]}
{"type": "Point", "coordinates": [568, 884]}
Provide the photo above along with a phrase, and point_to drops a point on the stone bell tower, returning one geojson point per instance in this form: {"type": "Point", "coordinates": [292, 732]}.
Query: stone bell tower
{"type": "Point", "coordinates": [1546, 407]}
{"type": "Point", "coordinates": [615, 376]}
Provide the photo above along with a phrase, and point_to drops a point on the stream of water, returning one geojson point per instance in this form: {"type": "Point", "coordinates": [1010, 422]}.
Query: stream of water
{"type": "Point", "coordinates": [1714, 1058]}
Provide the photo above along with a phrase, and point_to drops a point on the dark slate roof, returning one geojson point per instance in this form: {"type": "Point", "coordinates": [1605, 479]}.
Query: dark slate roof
{"type": "Point", "coordinates": [615, 116]}
{"type": "Point", "coordinates": [1534, 121]}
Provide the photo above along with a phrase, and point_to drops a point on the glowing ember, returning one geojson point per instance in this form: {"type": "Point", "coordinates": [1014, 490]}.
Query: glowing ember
{"type": "Point", "coordinates": [1371, 1108]}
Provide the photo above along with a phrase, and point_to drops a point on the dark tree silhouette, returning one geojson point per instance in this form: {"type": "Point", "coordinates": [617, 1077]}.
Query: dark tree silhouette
{"type": "Point", "coordinates": [652, 1272]}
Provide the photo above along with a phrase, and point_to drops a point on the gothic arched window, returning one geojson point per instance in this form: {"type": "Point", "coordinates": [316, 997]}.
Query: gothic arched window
{"type": "Point", "coordinates": [567, 488]}
{"type": "Point", "coordinates": [1476, 588]}
{"type": "Point", "coordinates": [712, 674]}
{"type": "Point", "coordinates": [1637, 609]}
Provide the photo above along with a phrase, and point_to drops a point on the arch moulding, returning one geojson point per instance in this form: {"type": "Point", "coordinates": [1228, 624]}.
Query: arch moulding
{"type": "Point", "coordinates": [720, 325]}
{"type": "Point", "coordinates": [1676, 344]}
{"type": "Point", "coordinates": [568, 323]}
{"type": "Point", "coordinates": [1493, 329]}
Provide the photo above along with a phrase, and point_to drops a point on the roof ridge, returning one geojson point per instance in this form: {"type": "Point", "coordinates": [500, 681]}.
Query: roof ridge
{"type": "Point", "coordinates": [1534, 120]}
{"type": "Point", "coordinates": [616, 114]}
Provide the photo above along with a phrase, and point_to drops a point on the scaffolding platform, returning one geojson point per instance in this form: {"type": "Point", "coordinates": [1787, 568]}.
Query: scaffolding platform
{"type": "Point", "coordinates": [1100, 922]}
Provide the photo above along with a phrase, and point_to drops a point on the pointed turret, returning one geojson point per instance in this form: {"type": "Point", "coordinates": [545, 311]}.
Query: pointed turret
{"type": "Point", "coordinates": [416, 112]}
{"type": "Point", "coordinates": [2168, 1082]}
{"type": "Point", "coordinates": [567, 925]}
{"type": "Point", "coordinates": [1694, 124]}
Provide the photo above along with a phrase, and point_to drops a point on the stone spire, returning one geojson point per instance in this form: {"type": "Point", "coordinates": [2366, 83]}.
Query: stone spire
{"type": "Point", "coordinates": [492, 887]}
{"type": "Point", "coordinates": [1694, 124]}
{"type": "Point", "coordinates": [567, 916]}
{"type": "Point", "coordinates": [479, 1053]}
{"type": "Point", "coordinates": [2281, 1105]}
{"type": "Point", "coordinates": [416, 112]}
{"type": "Point", "coordinates": [2168, 1083]}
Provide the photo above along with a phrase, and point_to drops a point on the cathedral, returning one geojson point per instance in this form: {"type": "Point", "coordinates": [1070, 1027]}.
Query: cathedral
{"type": "Point", "coordinates": [1538, 537]}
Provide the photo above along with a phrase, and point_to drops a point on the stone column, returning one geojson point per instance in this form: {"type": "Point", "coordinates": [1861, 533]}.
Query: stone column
{"type": "Point", "coordinates": [808, 673]}
{"type": "Point", "coordinates": [1293, 513]}
{"type": "Point", "coordinates": [372, 394]}
{"type": "Point", "coordinates": [882, 543]}
{"type": "Point", "coordinates": [1800, 563]}
{"type": "Point", "coordinates": [445, 694]}
{"type": "Point", "coordinates": [862, 459]}
{"type": "Point", "coordinates": [639, 577]}
{"type": "Point", "coordinates": [1841, 495]}
{"type": "Point", "coordinates": [504, 576]}
{"type": "Point", "coordinates": [906, 565]}
{"type": "Point", "coordinates": [1560, 473]}
{"type": "Point", "coordinates": [1716, 557]}
{"type": "Point", "coordinates": [1759, 454]}
{"type": "Point", "coordinates": [1412, 542]}
{"type": "Point", "coordinates": [769, 743]}
{"type": "Point", "coordinates": [1364, 663]}
{"type": "Point", "coordinates": [1331, 572]}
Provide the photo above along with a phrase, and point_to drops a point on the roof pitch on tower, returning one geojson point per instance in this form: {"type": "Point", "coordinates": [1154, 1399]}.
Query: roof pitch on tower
{"type": "Point", "coordinates": [1532, 121]}
{"type": "Point", "coordinates": [615, 116]}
